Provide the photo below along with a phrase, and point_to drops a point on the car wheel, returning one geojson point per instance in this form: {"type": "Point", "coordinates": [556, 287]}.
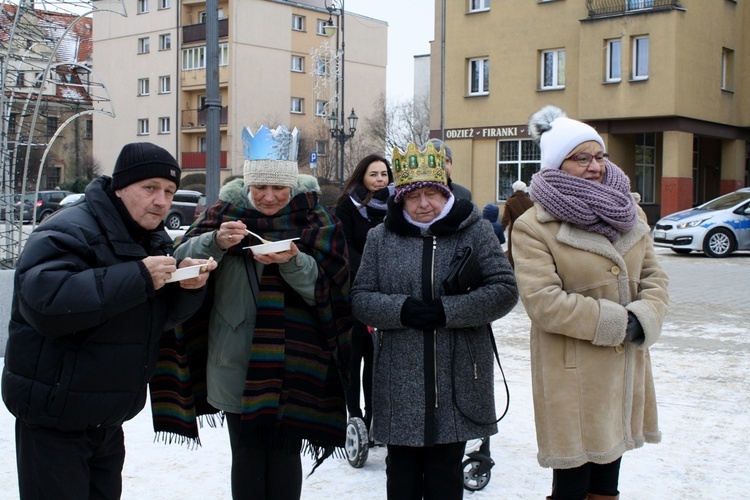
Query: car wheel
{"type": "Point", "coordinates": [44, 216]}
{"type": "Point", "coordinates": [719, 243]}
{"type": "Point", "coordinates": [174, 221]}
{"type": "Point", "coordinates": [683, 251]}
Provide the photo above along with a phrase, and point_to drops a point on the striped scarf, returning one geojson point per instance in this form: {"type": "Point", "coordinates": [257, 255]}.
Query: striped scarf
{"type": "Point", "coordinates": [300, 353]}
{"type": "Point", "coordinates": [607, 208]}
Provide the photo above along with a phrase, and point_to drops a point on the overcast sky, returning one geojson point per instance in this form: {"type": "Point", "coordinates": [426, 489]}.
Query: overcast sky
{"type": "Point", "coordinates": [410, 30]}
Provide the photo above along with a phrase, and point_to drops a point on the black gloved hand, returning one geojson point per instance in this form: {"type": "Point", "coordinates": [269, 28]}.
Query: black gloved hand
{"type": "Point", "coordinates": [634, 330]}
{"type": "Point", "coordinates": [417, 314]}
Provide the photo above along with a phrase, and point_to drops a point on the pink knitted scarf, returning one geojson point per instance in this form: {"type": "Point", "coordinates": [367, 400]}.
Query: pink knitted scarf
{"type": "Point", "coordinates": [607, 208]}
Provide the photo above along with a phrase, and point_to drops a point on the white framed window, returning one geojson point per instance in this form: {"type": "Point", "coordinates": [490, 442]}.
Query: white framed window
{"type": "Point", "coordinates": [143, 126]}
{"type": "Point", "coordinates": [321, 108]}
{"type": "Point", "coordinates": [298, 64]}
{"type": "Point", "coordinates": [479, 5]}
{"type": "Point", "coordinates": [193, 58]}
{"type": "Point", "coordinates": [614, 61]}
{"type": "Point", "coordinates": [164, 4]}
{"type": "Point", "coordinates": [202, 15]}
{"type": "Point", "coordinates": [142, 6]}
{"type": "Point", "coordinates": [479, 76]}
{"type": "Point", "coordinates": [164, 125]}
{"type": "Point", "coordinates": [298, 23]}
{"type": "Point", "coordinates": [640, 58]}
{"type": "Point", "coordinates": [322, 67]}
{"type": "Point", "coordinates": [727, 69]}
{"type": "Point", "coordinates": [165, 84]}
{"type": "Point", "coordinates": [321, 147]}
{"type": "Point", "coordinates": [516, 159]}
{"type": "Point", "coordinates": [298, 105]}
{"type": "Point", "coordinates": [202, 144]}
{"type": "Point", "coordinates": [165, 41]}
{"type": "Point", "coordinates": [144, 45]}
{"type": "Point", "coordinates": [645, 166]}
{"type": "Point", "coordinates": [223, 54]}
{"type": "Point", "coordinates": [321, 27]}
{"type": "Point", "coordinates": [143, 84]}
{"type": "Point", "coordinates": [553, 69]}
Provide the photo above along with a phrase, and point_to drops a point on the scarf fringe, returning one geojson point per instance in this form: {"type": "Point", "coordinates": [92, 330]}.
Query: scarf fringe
{"type": "Point", "coordinates": [171, 438]}
{"type": "Point", "coordinates": [321, 453]}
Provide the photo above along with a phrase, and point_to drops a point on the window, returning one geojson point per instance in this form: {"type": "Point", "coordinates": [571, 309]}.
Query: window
{"type": "Point", "coordinates": [321, 27]}
{"type": "Point", "coordinates": [322, 67]}
{"type": "Point", "coordinates": [164, 4]}
{"type": "Point", "coordinates": [640, 4]}
{"type": "Point", "coordinates": [321, 108]}
{"type": "Point", "coordinates": [12, 122]}
{"type": "Point", "coordinates": [89, 131]}
{"type": "Point", "coordinates": [38, 79]}
{"type": "Point", "coordinates": [298, 105]}
{"type": "Point", "coordinates": [640, 59]}
{"type": "Point", "coordinates": [143, 86]}
{"type": "Point", "coordinates": [53, 179]}
{"type": "Point", "coordinates": [614, 61]}
{"type": "Point", "coordinates": [223, 54]}
{"type": "Point", "coordinates": [143, 126]}
{"type": "Point", "coordinates": [142, 6]}
{"type": "Point", "coordinates": [165, 41]}
{"type": "Point", "coordinates": [477, 5]}
{"type": "Point", "coordinates": [164, 126]}
{"type": "Point", "coordinates": [143, 45]}
{"type": "Point", "coordinates": [298, 23]}
{"type": "Point", "coordinates": [645, 166]}
{"type": "Point", "coordinates": [553, 69]}
{"type": "Point", "coordinates": [193, 58]}
{"type": "Point", "coordinates": [298, 64]}
{"type": "Point", "coordinates": [202, 144]}
{"type": "Point", "coordinates": [321, 147]}
{"type": "Point", "coordinates": [21, 79]}
{"type": "Point", "coordinates": [479, 76]}
{"type": "Point", "coordinates": [165, 84]}
{"type": "Point", "coordinates": [202, 16]}
{"type": "Point", "coordinates": [51, 126]}
{"type": "Point", "coordinates": [517, 159]}
{"type": "Point", "coordinates": [727, 69]}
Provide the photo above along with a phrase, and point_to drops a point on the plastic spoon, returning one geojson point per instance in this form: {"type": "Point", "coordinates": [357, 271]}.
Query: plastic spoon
{"type": "Point", "coordinates": [262, 240]}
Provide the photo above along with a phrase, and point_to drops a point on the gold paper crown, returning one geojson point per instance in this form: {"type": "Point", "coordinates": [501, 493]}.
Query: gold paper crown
{"type": "Point", "coordinates": [416, 166]}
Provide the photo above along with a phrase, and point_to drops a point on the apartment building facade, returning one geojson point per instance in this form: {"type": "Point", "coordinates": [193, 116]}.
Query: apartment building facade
{"type": "Point", "coordinates": [277, 66]}
{"type": "Point", "coordinates": [665, 82]}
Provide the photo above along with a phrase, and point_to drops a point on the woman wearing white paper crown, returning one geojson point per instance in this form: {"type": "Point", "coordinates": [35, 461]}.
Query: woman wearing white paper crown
{"type": "Point", "coordinates": [596, 296]}
{"type": "Point", "coordinates": [279, 326]}
{"type": "Point", "coordinates": [433, 381]}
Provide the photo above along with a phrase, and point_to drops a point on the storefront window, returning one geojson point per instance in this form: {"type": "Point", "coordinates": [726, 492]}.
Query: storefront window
{"type": "Point", "coordinates": [517, 159]}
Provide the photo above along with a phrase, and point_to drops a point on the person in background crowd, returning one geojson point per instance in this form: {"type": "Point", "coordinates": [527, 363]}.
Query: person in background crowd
{"type": "Point", "coordinates": [515, 206]}
{"type": "Point", "coordinates": [361, 207]}
{"type": "Point", "coordinates": [597, 297]}
{"type": "Point", "coordinates": [279, 324]}
{"type": "Point", "coordinates": [92, 298]}
{"type": "Point", "coordinates": [460, 192]}
{"type": "Point", "coordinates": [490, 213]}
{"type": "Point", "coordinates": [433, 382]}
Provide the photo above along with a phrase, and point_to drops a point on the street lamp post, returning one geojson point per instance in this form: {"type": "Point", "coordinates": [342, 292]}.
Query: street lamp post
{"type": "Point", "coordinates": [336, 122]}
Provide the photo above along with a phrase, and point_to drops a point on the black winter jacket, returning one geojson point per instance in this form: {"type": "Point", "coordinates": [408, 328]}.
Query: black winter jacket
{"type": "Point", "coordinates": [86, 320]}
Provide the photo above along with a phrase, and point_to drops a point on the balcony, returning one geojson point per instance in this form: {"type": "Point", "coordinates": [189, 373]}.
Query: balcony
{"type": "Point", "coordinates": [196, 118]}
{"type": "Point", "coordinates": [197, 32]}
{"type": "Point", "coordinates": [609, 8]}
{"type": "Point", "coordinates": [197, 161]}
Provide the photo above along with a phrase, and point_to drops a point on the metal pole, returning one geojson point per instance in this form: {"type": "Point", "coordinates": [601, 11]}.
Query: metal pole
{"type": "Point", "coordinates": [342, 122]}
{"type": "Point", "coordinates": [213, 103]}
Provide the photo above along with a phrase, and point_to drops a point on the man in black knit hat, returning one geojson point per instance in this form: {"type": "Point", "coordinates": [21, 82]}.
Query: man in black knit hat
{"type": "Point", "coordinates": [93, 294]}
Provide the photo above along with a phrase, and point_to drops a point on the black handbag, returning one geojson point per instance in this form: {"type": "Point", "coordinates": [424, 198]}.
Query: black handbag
{"type": "Point", "coordinates": [463, 273]}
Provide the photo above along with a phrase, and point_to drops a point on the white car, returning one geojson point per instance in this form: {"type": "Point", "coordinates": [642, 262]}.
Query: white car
{"type": "Point", "coordinates": [718, 227]}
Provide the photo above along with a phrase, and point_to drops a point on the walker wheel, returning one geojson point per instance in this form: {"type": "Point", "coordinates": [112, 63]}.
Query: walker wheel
{"type": "Point", "coordinates": [472, 480]}
{"type": "Point", "coordinates": [357, 447]}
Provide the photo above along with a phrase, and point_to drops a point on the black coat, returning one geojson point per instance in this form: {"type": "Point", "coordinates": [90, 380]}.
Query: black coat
{"type": "Point", "coordinates": [86, 320]}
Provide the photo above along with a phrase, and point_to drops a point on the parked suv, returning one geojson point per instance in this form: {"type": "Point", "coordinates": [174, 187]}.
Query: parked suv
{"type": "Point", "coordinates": [46, 203]}
{"type": "Point", "coordinates": [182, 211]}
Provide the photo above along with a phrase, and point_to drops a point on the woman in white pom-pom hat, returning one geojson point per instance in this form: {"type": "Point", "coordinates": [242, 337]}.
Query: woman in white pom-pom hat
{"type": "Point", "coordinates": [596, 296]}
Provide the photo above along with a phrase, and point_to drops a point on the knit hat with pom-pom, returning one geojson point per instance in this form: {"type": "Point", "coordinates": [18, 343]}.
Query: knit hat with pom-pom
{"type": "Point", "coordinates": [558, 135]}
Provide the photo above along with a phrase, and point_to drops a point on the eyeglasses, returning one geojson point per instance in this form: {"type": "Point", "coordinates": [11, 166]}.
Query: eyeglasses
{"type": "Point", "coordinates": [585, 159]}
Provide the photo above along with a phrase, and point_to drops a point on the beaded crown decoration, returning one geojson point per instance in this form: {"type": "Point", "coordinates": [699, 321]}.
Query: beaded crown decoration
{"type": "Point", "coordinates": [419, 166]}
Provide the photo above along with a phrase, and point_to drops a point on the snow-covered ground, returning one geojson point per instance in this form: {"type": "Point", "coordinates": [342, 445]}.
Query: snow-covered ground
{"type": "Point", "coordinates": [701, 367]}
